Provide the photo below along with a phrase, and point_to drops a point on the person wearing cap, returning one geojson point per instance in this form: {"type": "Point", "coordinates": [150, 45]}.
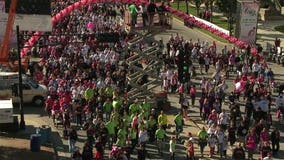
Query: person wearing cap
{"type": "Point", "coordinates": [172, 148]}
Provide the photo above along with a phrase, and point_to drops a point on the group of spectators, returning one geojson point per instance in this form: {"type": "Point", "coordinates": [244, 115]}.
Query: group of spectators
{"type": "Point", "coordinates": [88, 86]}
{"type": "Point", "coordinates": [147, 12]}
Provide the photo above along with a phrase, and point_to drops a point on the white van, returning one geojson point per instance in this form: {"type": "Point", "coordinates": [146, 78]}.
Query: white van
{"type": "Point", "coordinates": [32, 92]}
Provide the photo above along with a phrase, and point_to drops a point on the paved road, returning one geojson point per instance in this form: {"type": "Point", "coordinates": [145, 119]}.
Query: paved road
{"type": "Point", "coordinates": [193, 125]}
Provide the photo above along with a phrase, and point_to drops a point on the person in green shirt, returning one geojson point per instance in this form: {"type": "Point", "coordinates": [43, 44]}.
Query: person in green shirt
{"type": "Point", "coordinates": [89, 93]}
{"type": "Point", "coordinates": [202, 139]}
{"type": "Point", "coordinates": [160, 135]}
{"type": "Point", "coordinates": [134, 107]}
{"type": "Point", "coordinates": [152, 127]}
{"type": "Point", "coordinates": [146, 107]}
{"type": "Point", "coordinates": [122, 132]}
{"type": "Point", "coordinates": [126, 119]}
{"type": "Point", "coordinates": [179, 124]}
{"type": "Point", "coordinates": [107, 108]}
{"type": "Point", "coordinates": [111, 127]}
{"type": "Point", "coordinates": [120, 142]}
{"type": "Point", "coordinates": [116, 104]}
{"type": "Point", "coordinates": [133, 13]}
{"type": "Point", "coordinates": [116, 117]}
{"type": "Point", "coordinates": [109, 91]}
{"type": "Point", "coordinates": [163, 120]}
{"type": "Point", "coordinates": [133, 136]}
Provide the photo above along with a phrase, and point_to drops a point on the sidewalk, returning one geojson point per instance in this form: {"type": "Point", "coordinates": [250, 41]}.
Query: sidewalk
{"type": "Point", "coordinates": [16, 146]}
{"type": "Point", "coordinates": [265, 31]}
{"type": "Point", "coordinates": [268, 34]}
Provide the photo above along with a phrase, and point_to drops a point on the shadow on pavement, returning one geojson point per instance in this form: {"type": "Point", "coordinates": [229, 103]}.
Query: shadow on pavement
{"type": "Point", "coordinates": [12, 153]}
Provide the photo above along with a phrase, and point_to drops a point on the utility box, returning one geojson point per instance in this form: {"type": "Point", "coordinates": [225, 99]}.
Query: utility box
{"type": "Point", "coordinates": [6, 111]}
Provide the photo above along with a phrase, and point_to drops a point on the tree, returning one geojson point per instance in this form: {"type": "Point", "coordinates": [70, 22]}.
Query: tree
{"type": "Point", "coordinates": [197, 5]}
{"type": "Point", "coordinates": [211, 4]}
{"type": "Point", "coordinates": [229, 8]}
{"type": "Point", "coordinates": [186, 3]}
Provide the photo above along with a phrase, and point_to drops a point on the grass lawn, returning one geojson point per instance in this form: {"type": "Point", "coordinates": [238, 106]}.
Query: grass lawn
{"type": "Point", "coordinates": [218, 20]}
{"type": "Point", "coordinates": [280, 28]}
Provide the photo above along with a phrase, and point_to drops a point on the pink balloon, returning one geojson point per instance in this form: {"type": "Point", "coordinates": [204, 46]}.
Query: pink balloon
{"type": "Point", "coordinates": [54, 20]}
{"type": "Point", "coordinates": [91, 25]}
{"type": "Point", "coordinates": [253, 51]}
{"type": "Point", "coordinates": [59, 17]}
{"type": "Point", "coordinates": [77, 5]}
{"type": "Point", "coordinates": [84, 2]}
{"type": "Point", "coordinates": [71, 7]}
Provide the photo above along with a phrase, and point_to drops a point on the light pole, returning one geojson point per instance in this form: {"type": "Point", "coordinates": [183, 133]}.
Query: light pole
{"type": "Point", "coordinates": [20, 87]}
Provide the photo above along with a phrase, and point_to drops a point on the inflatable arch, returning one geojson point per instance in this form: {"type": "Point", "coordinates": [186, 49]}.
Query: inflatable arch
{"type": "Point", "coordinates": [66, 11]}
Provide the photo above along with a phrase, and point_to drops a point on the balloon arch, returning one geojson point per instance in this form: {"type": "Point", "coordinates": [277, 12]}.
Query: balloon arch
{"type": "Point", "coordinates": [66, 11]}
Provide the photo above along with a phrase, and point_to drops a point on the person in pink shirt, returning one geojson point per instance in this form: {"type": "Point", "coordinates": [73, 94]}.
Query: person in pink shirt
{"type": "Point", "coordinates": [48, 105]}
{"type": "Point", "coordinates": [264, 136]}
{"type": "Point", "coordinates": [55, 110]}
{"type": "Point", "coordinates": [212, 118]}
{"type": "Point", "coordinates": [192, 93]}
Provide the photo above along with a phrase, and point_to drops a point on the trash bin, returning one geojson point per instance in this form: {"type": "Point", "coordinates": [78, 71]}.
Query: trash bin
{"type": "Point", "coordinates": [48, 130]}
{"type": "Point", "coordinates": [35, 142]}
{"type": "Point", "coordinates": [45, 132]}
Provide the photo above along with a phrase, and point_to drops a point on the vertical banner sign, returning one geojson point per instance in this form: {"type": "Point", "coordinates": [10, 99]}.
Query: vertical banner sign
{"type": "Point", "coordinates": [248, 22]}
{"type": "Point", "coordinates": [3, 20]}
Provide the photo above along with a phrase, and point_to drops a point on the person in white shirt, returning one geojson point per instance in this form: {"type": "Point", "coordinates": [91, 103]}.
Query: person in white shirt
{"type": "Point", "coordinates": [143, 137]}
{"type": "Point", "coordinates": [223, 119]}
{"type": "Point", "coordinates": [212, 141]}
{"type": "Point", "coordinates": [256, 68]}
{"type": "Point", "coordinates": [212, 129]}
{"type": "Point", "coordinates": [220, 139]}
{"type": "Point", "coordinates": [172, 147]}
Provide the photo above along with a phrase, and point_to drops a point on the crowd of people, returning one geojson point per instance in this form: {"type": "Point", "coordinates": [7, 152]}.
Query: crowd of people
{"type": "Point", "coordinates": [147, 12]}
{"type": "Point", "coordinates": [224, 126]}
{"type": "Point", "coordinates": [88, 87]}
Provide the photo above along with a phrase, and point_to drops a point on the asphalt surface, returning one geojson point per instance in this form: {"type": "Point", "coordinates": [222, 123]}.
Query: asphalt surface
{"type": "Point", "coordinates": [36, 117]}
